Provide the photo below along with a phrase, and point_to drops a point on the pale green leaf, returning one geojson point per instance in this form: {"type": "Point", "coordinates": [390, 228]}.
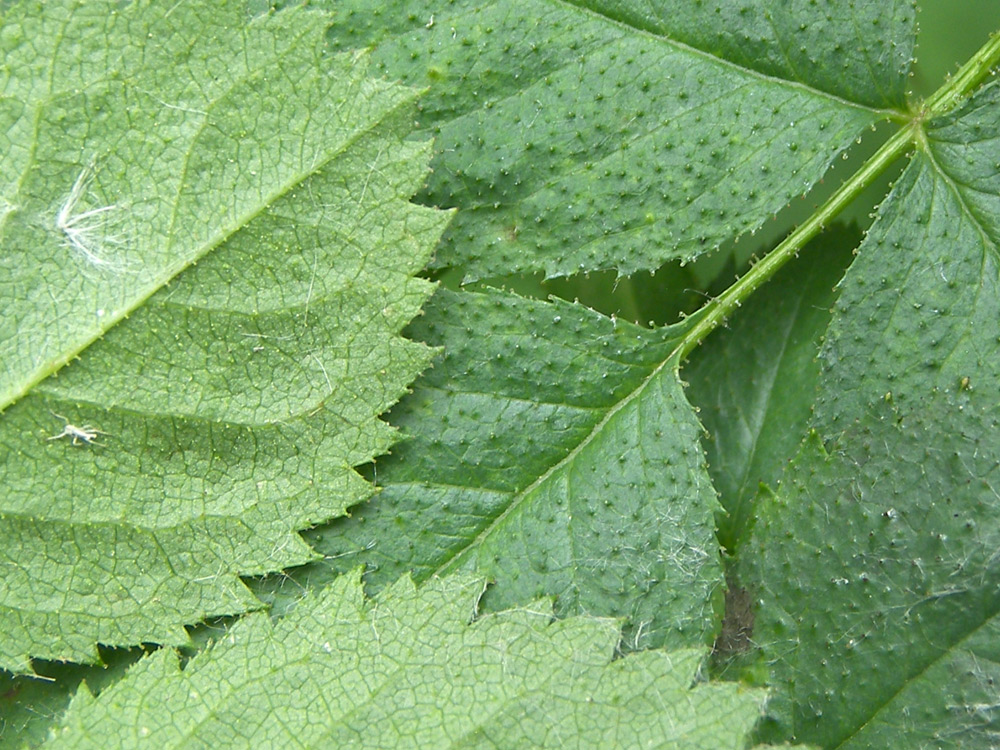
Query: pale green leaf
{"type": "Point", "coordinates": [190, 443]}
{"type": "Point", "coordinates": [136, 141]}
{"type": "Point", "coordinates": [409, 670]}
{"type": "Point", "coordinates": [619, 135]}
{"type": "Point", "coordinates": [877, 563]}
{"type": "Point", "coordinates": [552, 449]}
{"type": "Point", "coordinates": [29, 705]}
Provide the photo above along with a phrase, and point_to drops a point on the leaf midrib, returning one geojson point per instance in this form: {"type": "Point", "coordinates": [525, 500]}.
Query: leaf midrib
{"type": "Point", "coordinates": [522, 496]}
{"type": "Point", "coordinates": [879, 111]}
{"type": "Point", "coordinates": [945, 653]}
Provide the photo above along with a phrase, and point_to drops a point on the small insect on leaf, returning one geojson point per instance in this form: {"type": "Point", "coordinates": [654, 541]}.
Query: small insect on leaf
{"type": "Point", "coordinates": [86, 434]}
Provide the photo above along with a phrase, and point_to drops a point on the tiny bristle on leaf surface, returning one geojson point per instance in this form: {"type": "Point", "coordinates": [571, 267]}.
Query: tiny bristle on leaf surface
{"type": "Point", "coordinates": [207, 216]}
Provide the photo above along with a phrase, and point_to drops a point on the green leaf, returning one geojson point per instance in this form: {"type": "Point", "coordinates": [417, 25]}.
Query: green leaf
{"type": "Point", "coordinates": [267, 181]}
{"type": "Point", "coordinates": [754, 382]}
{"type": "Point", "coordinates": [551, 449]}
{"type": "Point", "coordinates": [863, 56]}
{"type": "Point", "coordinates": [876, 564]}
{"type": "Point", "coordinates": [409, 670]}
{"type": "Point", "coordinates": [617, 135]}
{"type": "Point", "coordinates": [29, 704]}
{"type": "Point", "coordinates": [190, 443]}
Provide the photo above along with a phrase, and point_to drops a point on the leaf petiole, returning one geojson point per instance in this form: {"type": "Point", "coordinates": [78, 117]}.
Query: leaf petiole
{"type": "Point", "coordinates": [971, 74]}
{"type": "Point", "coordinates": [714, 313]}
{"type": "Point", "coordinates": [963, 83]}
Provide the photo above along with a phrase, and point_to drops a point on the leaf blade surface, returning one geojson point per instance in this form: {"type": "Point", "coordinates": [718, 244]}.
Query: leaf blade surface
{"type": "Point", "coordinates": [225, 415]}
{"type": "Point", "coordinates": [551, 449]}
{"type": "Point", "coordinates": [410, 671]}
{"type": "Point", "coordinates": [565, 133]}
{"type": "Point", "coordinates": [889, 512]}
{"type": "Point", "coordinates": [109, 203]}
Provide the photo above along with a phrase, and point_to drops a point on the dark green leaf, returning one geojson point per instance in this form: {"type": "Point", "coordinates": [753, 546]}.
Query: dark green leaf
{"type": "Point", "coordinates": [574, 142]}
{"type": "Point", "coordinates": [877, 563]}
{"type": "Point", "coordinates": [551, 449]}
{"type": "Point", "coordinates": [754, 382]}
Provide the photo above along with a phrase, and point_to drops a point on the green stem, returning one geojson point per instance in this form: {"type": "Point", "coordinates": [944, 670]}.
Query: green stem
{"type": "Point", "coordinates": [713, 314]}
{"type": "Point", "coordinates": [968, 78]}
{"type": "Point", "coordinates": [947, 97]}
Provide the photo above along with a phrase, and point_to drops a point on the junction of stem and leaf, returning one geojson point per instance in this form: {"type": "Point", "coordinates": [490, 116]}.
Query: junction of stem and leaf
{"type": "Point", "coordinates": [911, 135]}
